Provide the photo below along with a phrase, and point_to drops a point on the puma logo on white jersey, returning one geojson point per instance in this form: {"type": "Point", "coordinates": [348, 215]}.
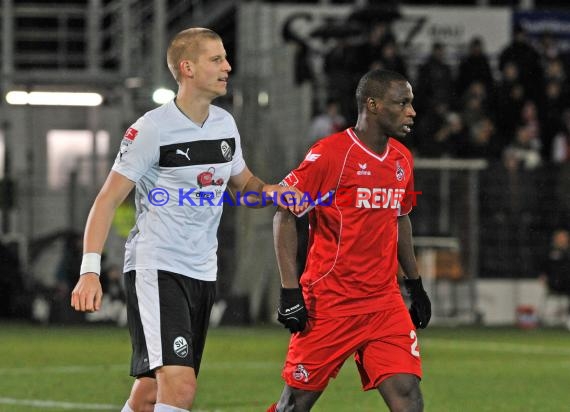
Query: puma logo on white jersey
{"type": "Point", "coordinates": [185, 154]}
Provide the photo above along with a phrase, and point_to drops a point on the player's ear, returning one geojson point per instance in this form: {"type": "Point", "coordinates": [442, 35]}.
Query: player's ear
{"type": "Point", "coordinates": [372, 104]}
{"type": "Point", "coordinates": [186, 68]}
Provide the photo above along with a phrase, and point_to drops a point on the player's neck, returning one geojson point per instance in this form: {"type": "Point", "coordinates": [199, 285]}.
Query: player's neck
{"type": "Point", "coordinates": [196, 109]}
{"type": "Point", "coordinates": [373, 139]}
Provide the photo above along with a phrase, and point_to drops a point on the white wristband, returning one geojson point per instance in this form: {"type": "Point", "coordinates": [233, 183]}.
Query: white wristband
{"type": "Point", "coordinates": [91, 263]}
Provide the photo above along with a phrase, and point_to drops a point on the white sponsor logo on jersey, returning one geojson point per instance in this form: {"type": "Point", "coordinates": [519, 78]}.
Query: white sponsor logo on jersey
{"type": "Point", "coordinates": [379, 198]}
{"type": "Point", "coordinates": [185, 154]}
{"type": "Point", "coordinates": [311, 157]}
{"type": "Point", "coordinates": [363, 171]}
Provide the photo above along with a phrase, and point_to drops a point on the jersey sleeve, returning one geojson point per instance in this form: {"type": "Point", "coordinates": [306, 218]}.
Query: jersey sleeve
{"type": "Point", "coordinates": [238, 162]}
{"type": "Point", "coordinates": [410, 196]}
{"type": "Point", "coordinates": [139, 150]}
{"type": "Point", "coordinates": [313, 176]}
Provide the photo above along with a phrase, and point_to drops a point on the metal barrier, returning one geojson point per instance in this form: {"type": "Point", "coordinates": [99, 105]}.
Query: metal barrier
{"type": "Point", "coordinates": [446, 228]}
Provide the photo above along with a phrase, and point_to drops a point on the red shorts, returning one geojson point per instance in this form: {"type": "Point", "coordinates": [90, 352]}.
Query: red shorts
{"type": "Point", "coordinates": [384, 343]}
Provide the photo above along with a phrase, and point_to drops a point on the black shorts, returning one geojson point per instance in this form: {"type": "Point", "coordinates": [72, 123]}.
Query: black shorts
{"type": "Point", "coordinates": [168, 317]}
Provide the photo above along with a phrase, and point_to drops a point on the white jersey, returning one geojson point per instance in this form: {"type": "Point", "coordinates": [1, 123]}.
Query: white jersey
{"type": "Point", "coordinates": [181, 171]}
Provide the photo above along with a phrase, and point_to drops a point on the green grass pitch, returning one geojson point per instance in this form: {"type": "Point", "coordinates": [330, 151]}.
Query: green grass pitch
{"type": "Point", "coordinates": [465, 369]}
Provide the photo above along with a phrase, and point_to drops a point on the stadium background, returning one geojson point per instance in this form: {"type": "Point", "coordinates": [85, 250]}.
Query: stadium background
{"type": "Point", "coordinates": [481, 234]}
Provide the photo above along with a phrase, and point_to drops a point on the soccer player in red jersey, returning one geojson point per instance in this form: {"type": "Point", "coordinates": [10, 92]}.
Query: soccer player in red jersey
{"type": "Point", "coordinates": [348, 300]}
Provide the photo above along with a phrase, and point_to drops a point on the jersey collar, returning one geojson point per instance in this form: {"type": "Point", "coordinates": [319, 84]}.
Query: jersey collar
{"type": "Point", "coordinates": [356, 140]}
{"type": "Point", "coordinates": [179, 110]}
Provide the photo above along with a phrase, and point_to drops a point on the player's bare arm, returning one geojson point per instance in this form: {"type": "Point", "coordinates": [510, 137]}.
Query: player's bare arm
{"type": "Point", "coordinates": [420, 310]}
{"type": "Point", "coordinates": [87, 294]}
{"type": "Point", "coordinates": [247, 182]}
{"type": "Point", "coordinates": [406, 255]}
{"type": "Point", "coordinates": [285, 243]}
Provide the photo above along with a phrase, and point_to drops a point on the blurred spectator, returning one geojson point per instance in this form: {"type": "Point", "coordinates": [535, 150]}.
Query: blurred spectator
{"type": "Point", "coordinates": [342, 74]}
{"type": "Point", "coordinates": [452, 135]}
{"type": "Point", "coordinates": [548, 47]}
{"type": "Point", "coordinates": [554, 70]}
{"type": "Point", "coordinates": [552, 117]}
{"type": "Point", "coordinates": [302, 69]}
{"type": "Point", "coordinates": [434, 84]}
{"type": "Point", "coordinates": [474, 104]}
{"type": "Point", "coordinates": [439, 132]}
{"type": "Point", "coordinates": [555, 269]}
{"type": "Point", "coordinates": [529, 118]}
{"type": "Point", "coordinates": [561, 142]}
{"type": "Point", "coordinates": [521, 52]}
{"type": "Point", "coordinates": [508, 210]}
{"type": "Point", "coordinates": [510, 98]}
{"type": "Point", "coordinates": [562, 183]}
{"type": "Point", "coordinates": [326, 123]}
{"type": "Point", "coordinates": [525, 148]}
{"type": "Point", "coordinates": [379, 36]}
{"type": "Point", "coordinates": [483, 141]}
{"type": "Point", "coordinates": [390, 59]}
{"type": "Point", "coordinates": [475, 67]}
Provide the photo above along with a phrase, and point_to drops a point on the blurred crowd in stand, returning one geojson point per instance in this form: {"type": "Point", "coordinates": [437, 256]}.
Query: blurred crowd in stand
{"type": "Point", "coordinates": [513, 112]}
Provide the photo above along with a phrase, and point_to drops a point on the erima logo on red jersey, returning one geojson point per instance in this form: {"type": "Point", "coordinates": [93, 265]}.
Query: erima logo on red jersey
{"type": "Point", "coordinates": [131, 133]}
{"type": "Point", "coordinates": [379, 198]}
{"type": "Point", "coordinates": [363, 171]}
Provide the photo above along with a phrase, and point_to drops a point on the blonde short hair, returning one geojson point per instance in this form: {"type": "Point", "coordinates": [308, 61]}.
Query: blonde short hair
{"type": "Point", "coordinates": [186, 45]}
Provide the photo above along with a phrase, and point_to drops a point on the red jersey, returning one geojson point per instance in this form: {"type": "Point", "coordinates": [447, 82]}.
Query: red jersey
{"type": "Point", "coordinates": [352, 254]}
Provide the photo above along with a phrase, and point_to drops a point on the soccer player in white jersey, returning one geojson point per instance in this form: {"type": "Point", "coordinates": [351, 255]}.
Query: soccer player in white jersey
{"type": "Point", "coordinates": [348, 300]}
{"type": "Point", "coordinates": [180, 157]}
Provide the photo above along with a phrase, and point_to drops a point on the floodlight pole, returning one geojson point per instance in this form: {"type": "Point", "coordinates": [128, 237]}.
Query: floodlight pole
{"type": "Point", "coordinates": [94, 36]}
{"type": "Point", "coordinates": [7, 42]}
{"type": "Point", "coordinates": [7, 73]}
{"type": "Point", "coordinates": [93, 123]}
{"type": "Point", "coordinates": [159, 42]}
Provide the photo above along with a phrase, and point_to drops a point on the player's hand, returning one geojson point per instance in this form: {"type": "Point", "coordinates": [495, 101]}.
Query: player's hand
{"type": "Point", "coordinates": [87, 294]}
{"type": "Point", "coordinates": [288, 197]}
{"type": "Point", "coordinates": [292, 312]}
{"type": "Point", "coordinates": [420, 310]}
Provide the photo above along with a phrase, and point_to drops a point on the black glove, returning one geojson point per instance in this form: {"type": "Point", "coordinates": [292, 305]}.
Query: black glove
{"type": "Point", "coordinates": [292, 312]}
{"type": "Point", "coordinates": [420, 310]}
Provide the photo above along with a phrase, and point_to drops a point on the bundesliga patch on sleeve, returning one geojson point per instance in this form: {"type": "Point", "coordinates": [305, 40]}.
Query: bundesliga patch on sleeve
{"type": "Point", "coordinates": [128, 139]}
{"type": "Point", "coordinates": [131, 134]}
{"type": "Point", "coordinates": [290, 180]}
